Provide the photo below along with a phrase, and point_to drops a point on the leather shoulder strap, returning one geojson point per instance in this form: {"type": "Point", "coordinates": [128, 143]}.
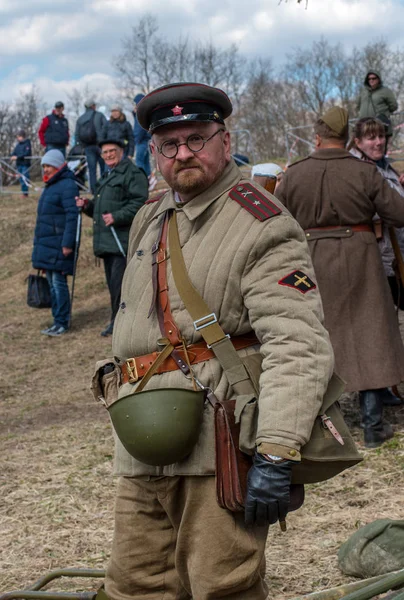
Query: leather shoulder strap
{"type": "Point", "coordinates": [254, 201]}
{"type": "Point", "coordinates": [204, 320]}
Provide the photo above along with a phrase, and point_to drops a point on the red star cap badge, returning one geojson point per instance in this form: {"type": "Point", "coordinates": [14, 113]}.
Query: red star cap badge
{"type": "Point", "coordinates": [177, 110]}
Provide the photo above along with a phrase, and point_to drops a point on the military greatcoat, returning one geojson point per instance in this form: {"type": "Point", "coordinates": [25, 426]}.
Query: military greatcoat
{"type": "Point", "coordinates": [332, 188]}
{"type": "Point", "coordinates": [244, 270]}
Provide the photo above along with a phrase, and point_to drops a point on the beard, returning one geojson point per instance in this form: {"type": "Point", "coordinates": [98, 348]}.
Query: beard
{"type": "Point", "coordinates": [189, 177]}
{"type": "Point", "coordinates": [192, 178]}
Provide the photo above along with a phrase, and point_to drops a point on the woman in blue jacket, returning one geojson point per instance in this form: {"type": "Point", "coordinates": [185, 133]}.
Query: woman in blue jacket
{"type": "Point", "coordinates": [55, 234]}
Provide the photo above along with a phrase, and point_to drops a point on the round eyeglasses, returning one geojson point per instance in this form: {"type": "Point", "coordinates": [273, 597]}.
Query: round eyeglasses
{"type": "Point", "coordinates": [195, 143]}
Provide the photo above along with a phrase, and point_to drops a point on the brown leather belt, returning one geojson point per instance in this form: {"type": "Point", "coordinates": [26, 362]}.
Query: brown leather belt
{"type": "Point", "coordinates": [343, 228]}
{"type": "Point", "coordinates": [134, 368]}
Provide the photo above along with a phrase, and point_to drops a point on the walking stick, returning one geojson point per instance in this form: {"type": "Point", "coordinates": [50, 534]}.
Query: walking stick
{"type": "Point", "coordinates": [118, 243]}
{"type": "Point", "coordinates": [116, 238]}
{"type": "Point", "coordinates": [76, 256]}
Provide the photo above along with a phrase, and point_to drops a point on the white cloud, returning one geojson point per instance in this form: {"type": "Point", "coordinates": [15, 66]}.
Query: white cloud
{"type": "Point", "coordinates": [98, 84]}
{"type": "Point", "coordinates": [345, 15]}
{"type": "Point", "coordinates": [65, 44]}
{"type": "Point", "coordinates": [121, 6]}
{"type": "Point", "coordinates": [41, 33]}
{"type": "Point", "coordinates": [263, 21]}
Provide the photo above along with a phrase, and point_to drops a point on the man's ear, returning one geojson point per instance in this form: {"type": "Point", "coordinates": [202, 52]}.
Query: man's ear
{"type": "Point", "coordinates": [155, 153]}
{"type": "Point", "coordinates": [318, 141]}
{"type": "Point", "coordinates": [227, 145]}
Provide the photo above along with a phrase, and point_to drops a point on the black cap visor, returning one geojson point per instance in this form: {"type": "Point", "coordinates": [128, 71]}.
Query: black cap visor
{"type": "Point", "coordinates": [196, 117]}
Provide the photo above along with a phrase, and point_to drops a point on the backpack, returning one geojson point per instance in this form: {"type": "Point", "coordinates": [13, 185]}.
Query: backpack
{"type": "Point", "coordinates": [87, 132]}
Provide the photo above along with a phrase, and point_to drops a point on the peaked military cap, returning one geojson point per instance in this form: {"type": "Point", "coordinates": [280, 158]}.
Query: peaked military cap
{"type": "Point", "coordinates": [178, 102]}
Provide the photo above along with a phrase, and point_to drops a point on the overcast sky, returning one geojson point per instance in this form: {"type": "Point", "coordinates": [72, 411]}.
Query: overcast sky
{"type": "Point", "coordinates": [62, 44]}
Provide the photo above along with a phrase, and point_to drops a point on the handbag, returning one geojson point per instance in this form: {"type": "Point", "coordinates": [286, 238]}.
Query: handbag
{"type": "Point", "coordinates": [232, 465]}
{"type": "Point", "coordinates": [38, 292]}
{"type": "Point", "coordinates": [330, 448]}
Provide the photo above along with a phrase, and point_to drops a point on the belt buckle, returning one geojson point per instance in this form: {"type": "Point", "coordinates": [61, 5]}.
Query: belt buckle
{"type": "Point", "coordinates": [132, 370]}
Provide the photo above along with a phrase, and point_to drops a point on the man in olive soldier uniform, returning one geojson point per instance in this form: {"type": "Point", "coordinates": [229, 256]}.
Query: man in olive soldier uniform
{"type": "Point", "coordinates": [249, 260]}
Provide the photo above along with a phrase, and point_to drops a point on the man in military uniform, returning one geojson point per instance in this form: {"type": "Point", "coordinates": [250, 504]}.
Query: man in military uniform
{"type": "Point", "coordinates": [334, 196]}
{"type": "Point", "coordinates": [249, 260]}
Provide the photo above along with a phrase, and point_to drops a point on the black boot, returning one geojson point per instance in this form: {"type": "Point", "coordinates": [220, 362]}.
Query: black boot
{"type": "Point", "coordinates": [108, 330]}
{"type": "Point", "coordinates": [389, 398]}
{"type": "Point", "coordinates": [375, 432]}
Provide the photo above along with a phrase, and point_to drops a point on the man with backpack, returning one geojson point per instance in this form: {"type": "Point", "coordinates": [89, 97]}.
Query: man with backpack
{"type": "Point", "coordinates": [91, 129]}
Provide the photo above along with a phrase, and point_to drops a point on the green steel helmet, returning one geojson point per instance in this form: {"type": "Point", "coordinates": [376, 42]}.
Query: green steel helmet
{"type": "Point", "coordinates": [158, 427]}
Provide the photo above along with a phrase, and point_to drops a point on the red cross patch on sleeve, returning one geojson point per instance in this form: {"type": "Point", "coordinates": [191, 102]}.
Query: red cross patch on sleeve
{"type": "Point", "coordinates": [298, 281]}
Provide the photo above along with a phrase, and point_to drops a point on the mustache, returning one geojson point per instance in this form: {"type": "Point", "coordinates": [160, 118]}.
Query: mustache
{"type": "Point", "coordinates": [186, 165]}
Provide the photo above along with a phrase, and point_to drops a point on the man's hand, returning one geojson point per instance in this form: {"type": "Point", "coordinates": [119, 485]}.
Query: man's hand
{"type": "Point", "coordinates": [13, 158]}
{"type": "Point", "coordinates": [81, 202]}
{"type": "Point", "coordinates": [108, 219]}
{"type": "Point", "coordinates": [401, 179]}
{"type": "Point", "coordinates": [268, 491]}
{"type": "Point", "coordinates": [67, 251]}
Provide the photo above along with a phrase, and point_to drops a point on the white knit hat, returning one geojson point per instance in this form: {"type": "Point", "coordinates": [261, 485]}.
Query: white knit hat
{"type": "Point", "coordinates": [54, 158]}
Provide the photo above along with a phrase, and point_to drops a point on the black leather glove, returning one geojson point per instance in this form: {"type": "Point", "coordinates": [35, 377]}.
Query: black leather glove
{"type": "Point", "coordinates": [268, 491]}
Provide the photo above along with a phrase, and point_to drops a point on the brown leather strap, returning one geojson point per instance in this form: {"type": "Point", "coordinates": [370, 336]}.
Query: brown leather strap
{"type": "Point", "coordinates": [205, 322]}
{"type": "Point", "coordinates": [136, 368]}
{"type": "Point", "coordinates": [167, 323]}
{"type": "Point", "coordinates": [347, 228]}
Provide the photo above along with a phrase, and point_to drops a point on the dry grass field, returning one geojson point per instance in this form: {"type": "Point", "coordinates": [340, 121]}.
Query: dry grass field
{"type": "Point", "coordinates": [57, 492]}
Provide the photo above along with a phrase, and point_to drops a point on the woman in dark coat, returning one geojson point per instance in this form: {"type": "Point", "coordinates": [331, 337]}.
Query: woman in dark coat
{"type": "Point", "coordinates": [55, 234]}
{"type": "Point", "coordinates": [118, 128]}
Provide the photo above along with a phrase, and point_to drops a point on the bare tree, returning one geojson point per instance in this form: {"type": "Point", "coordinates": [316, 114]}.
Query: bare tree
{"type": "Point", "coordinates": [29, 110]}
{"type": "Point", "coordinates": [269, 107]}
{"type": "Point", "coordinates": [148, 60]}
{"type": "Point", "coordinates": [266, 102]}
{"type": "Point", "coordinates": [135, 63]}
{"type": "Point", "coordinates": [314, 72]}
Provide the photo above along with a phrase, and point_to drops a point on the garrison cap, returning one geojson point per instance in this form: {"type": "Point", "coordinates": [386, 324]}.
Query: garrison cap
{"type": "Point", "coordinates": [337, 120]}
{"type": "Point", "coordinates": [178, 102]}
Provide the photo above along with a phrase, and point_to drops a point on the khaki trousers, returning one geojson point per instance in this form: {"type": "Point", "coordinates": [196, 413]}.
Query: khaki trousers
{"type": "Point", "coordinates": [173, 542]}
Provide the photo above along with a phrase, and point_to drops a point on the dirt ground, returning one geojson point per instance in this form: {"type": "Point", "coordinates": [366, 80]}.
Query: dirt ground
{"type": "Point", "coordinates": [57, 492]}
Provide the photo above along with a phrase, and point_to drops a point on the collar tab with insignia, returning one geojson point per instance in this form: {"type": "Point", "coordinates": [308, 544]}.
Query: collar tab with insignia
{"type": "Point", "coordinates": [254, 201]}
{"type": "Point", "coordinates": [156, 198]}
{"type": "Point", "coordinates": [298, 281]}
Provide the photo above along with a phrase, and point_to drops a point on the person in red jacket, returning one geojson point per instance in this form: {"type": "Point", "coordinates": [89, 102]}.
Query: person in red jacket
{"type": "Point", "coordinates": [54, 130]}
